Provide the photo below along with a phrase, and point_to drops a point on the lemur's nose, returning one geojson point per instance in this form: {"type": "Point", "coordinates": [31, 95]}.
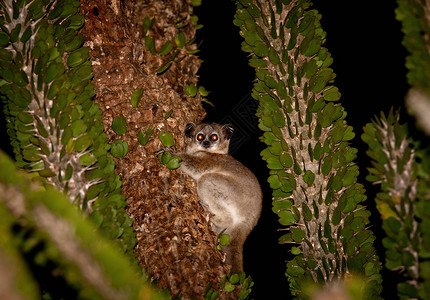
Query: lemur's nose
{"type": "Point", "coordinates": [206, 144]}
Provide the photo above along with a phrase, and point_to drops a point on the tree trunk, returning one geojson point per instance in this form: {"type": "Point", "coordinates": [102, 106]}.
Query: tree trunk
{"type": "Point", "coordinates": [176, 245]}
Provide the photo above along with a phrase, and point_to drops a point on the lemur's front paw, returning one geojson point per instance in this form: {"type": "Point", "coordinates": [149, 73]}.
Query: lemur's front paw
{"type": "Point", "coordinates": [172, 150]}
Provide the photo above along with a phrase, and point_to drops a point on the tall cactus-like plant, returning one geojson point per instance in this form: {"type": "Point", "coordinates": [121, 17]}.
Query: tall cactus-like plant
{"type": "Point", "coordinates": [404, 216]}
{"type": "Point", "coordinates": [414, 16]}
{"type": "Point", "coordinates": [55, 127]}
{"type": "Point", "coordinates": [401, 167]}
{"type": "Point", "coordinates": [91, 266]}
{"type": "Point", "coordinates": [312, 170]}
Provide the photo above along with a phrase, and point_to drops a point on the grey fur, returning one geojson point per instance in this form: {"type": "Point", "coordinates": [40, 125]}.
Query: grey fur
{"type": "Point", "coordinates": [227, 189]}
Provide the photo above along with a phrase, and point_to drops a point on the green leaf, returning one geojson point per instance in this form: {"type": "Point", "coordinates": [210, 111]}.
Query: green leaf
{"type": "Point", "coordinates": [323, 77]}
{"type": "Point", "coordinates": [288, 182]}
{"type": "Point", "coordinates": [332, 94]}
{"type": "Point", "coordinates": [25, 117]}
{"type": "Point", "coordinates": [14, 33]}
{"type": "Point", "coordinates": [224, 239]}
{"type": "Point", "coordinates": [309, 177]}
{"type": "Point", "coordinates": [119, 125]}
{"type": "Point", "coordinates": [274, 164]}
{"type": "Point", "coordinates": [295, 251]}
{"type": "Point", "coordinates": [136, 97]}
{"type": "Point", "coordinates": [164, 67]}
{"type": "Point", "coordinates": [298, 234]}
{"type": "Point", "coordinates": [270, 82]}
{"type": "Point", "coordinates": [254, 11]}
{"type": "Point", "coordinates": [150, 44]}
{"type": "Point", "coordinates": [52, 71]}
{"type": "Point", "coordinates": [286, 238]}
{"type": "Point", "coordinates": [350, 176]}
{"type": "Point", "coordinates": [313, 47]}
{"type": "Point", "coordinates": [143, 138]}
{"type": "Point", "coordinates": [348, 134]}
{"type": "Point", "coordinates": [281, 90]}
{"type": "Point", "coordinates": [191, 90]}
{"type": "Point", "coordinates": [208, 102]}
{"type": "Point", "coordinates": [78, 57]}
{"type": "Point", "coordinates": [274, 182]}
{"type": "Point", "coordinates": [164, 157]}
{"type": "Point", "coordinates": [168, 114]}
{"type": "Point", "coordinates": [234, 279]}
{"type": "Point", "coordinates": [318, 151]}
{"type": "Point", "coordinates": [307, 213]}
{"type": "Point", "coordinates": [326, 166]}
{"type": "Point", "coordinates": [166, 138]}
{"type": "Point", "coordinates": [203, 91]}
{"type": "Point", "coordinates": [261, 50]}
{"type": "Point", "coordinates": [46, 173]}
{"type": "Point", "coordinates": [196, 3]}
{"type": "Point", "coordinates": [297, 168]}
{"type": "Point", "coordinates": [167, 47]}
{"type": "Point", "coordinates": [281, 204]}
{"type": "Point", "coordinates": [257, 62]}
{"type": "Point", "coordinates": [294, 270]}
{"type": "Point", "coordinates": [273, 56]}
{"type": "Point", "coordinates": [87, 159]}
{"type": "Point", "coordinates": [119, 148]}
{"type": "Point", "coordinates": [278, 118]}
{"type": "Point", "coordinates": [275, 148]}
{"type": "Point", "coordinates": [310, 68]}
{"type": "Point", "coordinates": [147, 24]}
{"type": "Point", "coordinates": [77, 42]}
{"type": "Point", "coordinates": [318, 105]}
{"type": "Point", "coordinates": [180, 39]}
{"type": "Point", "coordinates": [4, 39]}
{"type": "Point", "coordinates": [83, 143]}
{"type": "Point", "coordinates": [229, 287]}
{"type": "Point", "coordinates": [78, 127]}
{"type": "Point", "coordinates": [286, 217]}
{"type": "Point", "coordinates": [31, 155]}
{"type": "Point", "coordinates": [173, 163]}
{"type": "Point", "coordinates": [76, 22]}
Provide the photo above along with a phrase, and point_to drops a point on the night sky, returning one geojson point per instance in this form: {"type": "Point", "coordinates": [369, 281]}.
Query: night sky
{"type": "Point", "coordinates": [365, 42]}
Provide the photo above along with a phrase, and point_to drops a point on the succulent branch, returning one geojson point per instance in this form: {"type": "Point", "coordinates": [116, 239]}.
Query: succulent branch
{"type": "Point", "coordinates": [55, 127]}
{"type": "Point", "coordinates": [60, 233]}
{"type": "Point", "coordinates": [415, 18]}
{"type": "Point", "coordinates": [16, 282]}
{"type": "Point", "coordinates": [393, 166]}
{"type": "Point", "coordinates": [38, 63]}
{"type": "Point", "coordinates": [312, 170]}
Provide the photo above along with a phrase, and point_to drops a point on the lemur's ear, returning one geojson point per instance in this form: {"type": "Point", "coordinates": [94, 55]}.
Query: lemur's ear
{"type": "Point", "coordinates": [227, 131]}
{"type": "Point", "coordinates": [189, 130]}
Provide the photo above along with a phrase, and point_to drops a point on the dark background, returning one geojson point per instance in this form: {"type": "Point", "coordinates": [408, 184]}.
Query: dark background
{"type": "Point", "coordinates": [369, 60]}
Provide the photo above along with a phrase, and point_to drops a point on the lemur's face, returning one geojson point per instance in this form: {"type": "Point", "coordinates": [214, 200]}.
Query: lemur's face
{"type": "Point", "coordinates": [207, 137]}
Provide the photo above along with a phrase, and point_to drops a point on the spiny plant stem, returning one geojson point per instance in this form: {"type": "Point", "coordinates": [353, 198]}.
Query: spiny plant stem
{"type": "Point", "coordinates": [312, 172]}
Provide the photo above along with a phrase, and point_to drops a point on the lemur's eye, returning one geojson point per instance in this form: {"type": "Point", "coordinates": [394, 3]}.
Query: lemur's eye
{"type": "Point", "coordinates": [214, 137]}
{"type": "Point", "coordinates": [200, 137]}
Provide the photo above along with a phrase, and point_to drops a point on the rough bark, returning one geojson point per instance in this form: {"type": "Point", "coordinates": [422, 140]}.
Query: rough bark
{"type": "Point", "coordinates": [175, 243]}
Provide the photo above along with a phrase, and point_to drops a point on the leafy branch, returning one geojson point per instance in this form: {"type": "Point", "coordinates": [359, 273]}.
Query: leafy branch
{"type": "Point", "coordinates": [312, 170]}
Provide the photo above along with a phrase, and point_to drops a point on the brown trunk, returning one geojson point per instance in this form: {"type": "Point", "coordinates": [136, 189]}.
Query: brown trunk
{"type": "Point", "coordinates": [175, 242]}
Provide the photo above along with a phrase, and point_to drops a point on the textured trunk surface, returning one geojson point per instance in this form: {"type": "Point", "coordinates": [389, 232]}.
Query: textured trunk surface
{"type": "Point", "coordinates": [175, 242]}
